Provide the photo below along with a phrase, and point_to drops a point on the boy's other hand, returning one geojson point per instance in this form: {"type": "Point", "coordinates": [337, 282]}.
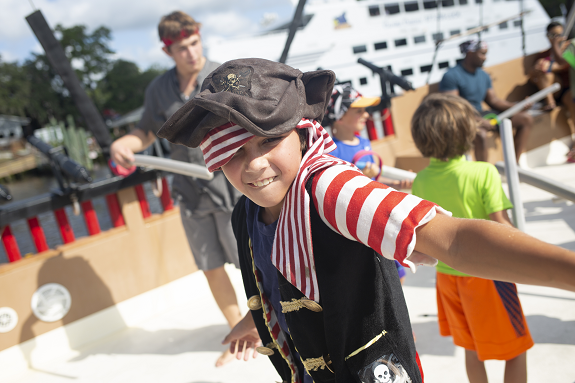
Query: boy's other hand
{"type": "Point", "coordinates": [244, 339]}
{"type": "Point", "coordinates": [370, 170]}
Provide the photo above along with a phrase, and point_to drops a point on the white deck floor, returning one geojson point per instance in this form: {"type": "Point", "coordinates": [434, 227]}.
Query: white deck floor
{"type": "Point", "coordinates": [182, 344]}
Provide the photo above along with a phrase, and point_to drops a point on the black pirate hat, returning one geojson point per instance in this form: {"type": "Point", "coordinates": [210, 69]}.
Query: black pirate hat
{"type": "Point", "coordinates": [264, 97]}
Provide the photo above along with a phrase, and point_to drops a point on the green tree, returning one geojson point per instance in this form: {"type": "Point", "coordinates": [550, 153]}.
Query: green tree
{"type": "Point", "coordinates": [123, 87]}
{"type": "Point", "coordinates": [37, 91]}
{"type": "Point", "coordinates": [14, 89]}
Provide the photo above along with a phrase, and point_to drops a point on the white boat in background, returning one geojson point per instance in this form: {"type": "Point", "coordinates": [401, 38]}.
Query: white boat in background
{"type": "Point", "coordinates": [400, 34]}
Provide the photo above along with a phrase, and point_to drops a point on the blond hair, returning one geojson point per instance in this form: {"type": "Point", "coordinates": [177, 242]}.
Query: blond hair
{"type": "Point", "coordinates": [444, 126]}
{"type": "Point", "coordinates": [172, 25]}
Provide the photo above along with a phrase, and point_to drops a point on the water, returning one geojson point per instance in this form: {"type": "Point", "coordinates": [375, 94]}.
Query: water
{"type": "Point", "coordinates": [34, 186]}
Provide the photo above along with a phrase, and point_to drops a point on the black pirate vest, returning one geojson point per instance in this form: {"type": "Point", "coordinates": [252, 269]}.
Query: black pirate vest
{"type": "Point", "coordinates": [360, 330]}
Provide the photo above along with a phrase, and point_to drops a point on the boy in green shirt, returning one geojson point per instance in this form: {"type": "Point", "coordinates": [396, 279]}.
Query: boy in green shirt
{"type": "Point", "coordinates": [483, 316]}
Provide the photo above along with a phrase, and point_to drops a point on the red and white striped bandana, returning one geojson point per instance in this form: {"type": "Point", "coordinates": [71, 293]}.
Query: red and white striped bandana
{"type": "Point", "coordinates": [292, 252]}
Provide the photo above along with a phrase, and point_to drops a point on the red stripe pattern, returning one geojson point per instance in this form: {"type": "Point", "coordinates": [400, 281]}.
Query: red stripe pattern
{"type": "Point", "coordinates": [371, 213]}
{"type": "Point", "coordinates": [220, 144]}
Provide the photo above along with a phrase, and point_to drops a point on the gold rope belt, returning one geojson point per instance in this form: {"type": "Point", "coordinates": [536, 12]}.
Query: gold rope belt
{"type": "Point", "coordinates": [297, 304]}
{"type": "Point", "coordinates": [313, 364]}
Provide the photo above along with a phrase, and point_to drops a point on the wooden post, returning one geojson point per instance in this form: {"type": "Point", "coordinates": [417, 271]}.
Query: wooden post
{"type": "Point", "coordinates": [12, 250]}
{"type": "Point", "coordinates": [90, 218]}
{"type": "Point", "coordinates": [166, 199]}
{"type": "Point", "coordinates": [144, 205]}
{"type": "Point", "coordinates": [37, 234]}
{"type": "Point", "coordinates": [115, 211]}
{"type": "Point", "coordinates": [65, 228]}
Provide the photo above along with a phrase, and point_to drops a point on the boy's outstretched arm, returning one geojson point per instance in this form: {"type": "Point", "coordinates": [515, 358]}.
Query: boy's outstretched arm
{"type": "Point", "coordinates": [491, 250]}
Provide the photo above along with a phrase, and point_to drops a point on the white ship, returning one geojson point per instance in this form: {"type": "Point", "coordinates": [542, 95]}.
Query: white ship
{"type": "Point", "coordinates": [398, 34]}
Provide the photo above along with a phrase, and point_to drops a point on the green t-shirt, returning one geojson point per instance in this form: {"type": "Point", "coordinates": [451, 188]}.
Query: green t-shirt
{"type": "Point", "coordinates": [466, 189]}
{"type": "Point", "coordinates": [569, 56]}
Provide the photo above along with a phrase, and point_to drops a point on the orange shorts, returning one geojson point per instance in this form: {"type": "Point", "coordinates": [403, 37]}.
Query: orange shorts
{"type": "Point", "coordinates": [482, 315]}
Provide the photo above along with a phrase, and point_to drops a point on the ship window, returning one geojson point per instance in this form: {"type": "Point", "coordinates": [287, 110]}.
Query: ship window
{"type": "Point", "coordinates": [379, 46]}
{"type": "Point", "coordinates": [503, 25]}
{"type": "Point", "coordinates": [478, 1]}
{"type": "Point", "coordinates": [359, 49]}
{"type": "Point", "coordinates": [454, 32]}
{"type": "Point", "coordinates": [419, 39]}
{"type": "Point", "coordinates": [391, 9]}
{"type": "Point", "coordinates": [362, 81]}
{"type": "Point", "coordinates": [462, 2]}
{"type": "Point", "coordinates": [406, 72]}
{"type": "Point", "coordinates": [458, 61]}
{"type": "Point", "coordinates": [447, 3]}
{"type": "Point", "coordinates": [411, 6]}
{"type": "Point", "coordinates": [470, 28]}
{"type": "Point", "coordinates": [374, 10]}
{"type": "Point", "coordinates": [425, 68]}
{"type": "Point", "coordinates": [400, 42]}
{"type": "Point", "coordinates": [437, 36]}
{"type": "Point", "coordinates": [444, 64]}
{"type": "Point", "coordinates": [429, 4]}
{"type": "Point", "coordinates": [517, 23]}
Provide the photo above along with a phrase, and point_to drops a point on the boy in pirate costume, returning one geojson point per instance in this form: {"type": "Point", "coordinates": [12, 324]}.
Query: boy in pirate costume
{"type": "Point", "coordinates": [311, 227]}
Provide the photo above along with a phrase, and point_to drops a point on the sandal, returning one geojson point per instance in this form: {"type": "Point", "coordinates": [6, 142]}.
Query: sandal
{"type": "Point", "coordinates": [549, 107]}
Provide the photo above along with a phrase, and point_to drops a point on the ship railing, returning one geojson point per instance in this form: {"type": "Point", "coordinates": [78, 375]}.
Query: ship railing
{"type": "Point", "coordinates": [80, 198]}
{"type": "Point", "coordinates": [514, 175]}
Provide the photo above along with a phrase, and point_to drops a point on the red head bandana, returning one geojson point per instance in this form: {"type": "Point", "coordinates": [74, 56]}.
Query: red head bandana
{"type": "Point", "coordinates": [183, 34]}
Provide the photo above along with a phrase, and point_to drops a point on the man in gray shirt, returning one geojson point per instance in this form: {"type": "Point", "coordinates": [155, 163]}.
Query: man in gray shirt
{"type": "Point", "coordinates": [205, 206]}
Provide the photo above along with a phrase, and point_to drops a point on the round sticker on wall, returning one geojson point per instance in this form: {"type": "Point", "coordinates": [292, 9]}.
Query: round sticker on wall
{"type": "Point", "coordinates": [8, 319]}
{"type": "Point", "coordinates": [51, 302]}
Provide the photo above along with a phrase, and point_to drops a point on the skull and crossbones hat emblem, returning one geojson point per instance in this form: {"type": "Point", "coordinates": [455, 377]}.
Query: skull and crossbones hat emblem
{"type": "Point", "coordinates": [266, 98]}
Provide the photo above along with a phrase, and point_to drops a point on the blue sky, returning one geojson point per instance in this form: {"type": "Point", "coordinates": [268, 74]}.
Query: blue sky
{"type": "Point", "coordinates": [133, 22]}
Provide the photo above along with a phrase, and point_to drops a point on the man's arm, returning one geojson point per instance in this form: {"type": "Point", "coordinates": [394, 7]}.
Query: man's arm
{"type": "Point", "coordinates": [495, 102]}
{"type": "Point", "coordinates": [491, 250]}
{"type": "Point", "coordinates": [122, 150]}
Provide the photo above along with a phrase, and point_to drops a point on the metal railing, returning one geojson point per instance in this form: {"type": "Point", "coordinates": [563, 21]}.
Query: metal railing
{"type": "Point", "coordinates": [542, 182]}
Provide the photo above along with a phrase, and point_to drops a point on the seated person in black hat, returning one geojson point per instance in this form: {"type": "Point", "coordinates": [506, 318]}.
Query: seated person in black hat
{"type": "Point", "coordinates": [310, 230]}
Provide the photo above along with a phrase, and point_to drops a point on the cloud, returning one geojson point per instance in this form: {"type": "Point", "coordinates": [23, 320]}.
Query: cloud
{"type": "Point", "coordinates": [134, 22]}
{"type": "Point", "coordinates": [116, 14]}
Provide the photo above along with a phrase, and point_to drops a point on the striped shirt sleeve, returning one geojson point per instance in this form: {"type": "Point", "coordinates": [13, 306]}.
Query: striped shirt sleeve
{"type": "Point", "coordinates": [371, 213]}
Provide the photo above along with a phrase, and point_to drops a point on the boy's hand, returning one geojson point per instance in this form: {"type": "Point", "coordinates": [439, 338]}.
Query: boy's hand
{"type": "Point", "coordinates": [370, 170]}
{"type": "Point", "coordinates": [244, 339]}
{"type": "Point", "coordinates": [403, 184]}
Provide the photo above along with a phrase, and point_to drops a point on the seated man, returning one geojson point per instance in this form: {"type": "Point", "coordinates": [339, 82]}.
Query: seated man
{"type": "Point", "coordinates": [469, 81]}
{"type": "Point", "coordinates": [547, 69]}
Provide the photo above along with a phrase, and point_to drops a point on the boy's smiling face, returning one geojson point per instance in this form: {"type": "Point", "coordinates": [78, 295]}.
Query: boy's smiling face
{"type": "Point", "coordinates": [264, 170]}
